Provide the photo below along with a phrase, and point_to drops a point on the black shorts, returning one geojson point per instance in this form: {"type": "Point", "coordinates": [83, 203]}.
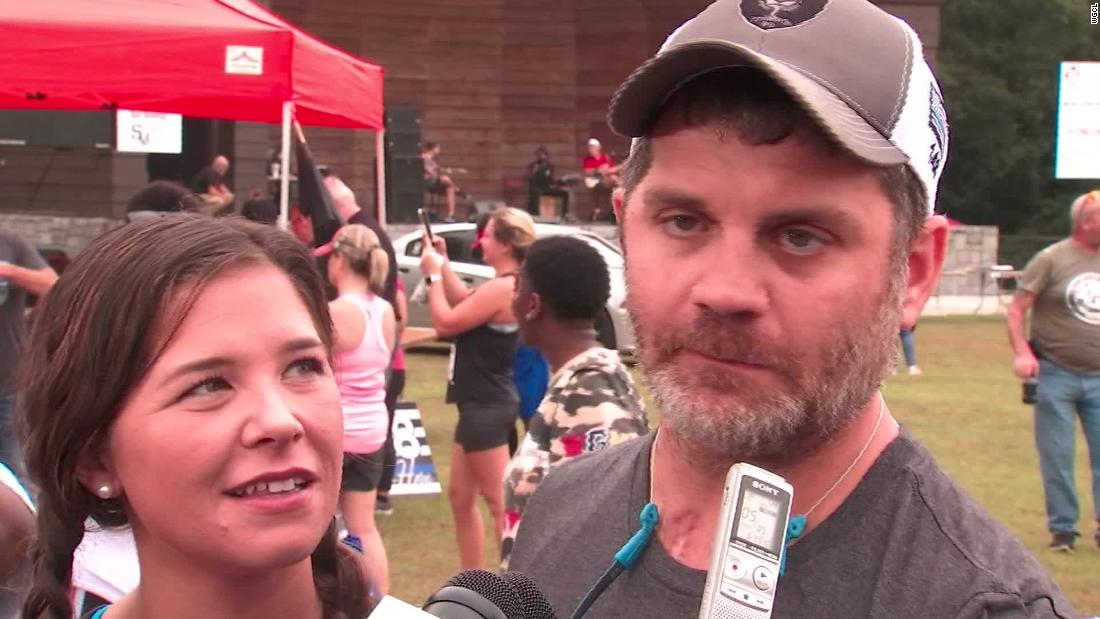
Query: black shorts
{"type": "Point", "coordinates": [434, 185]}
{"type": "Point", "coordinates": [484, 426]}
{"type": "Point", "coordinates": [362, 472]}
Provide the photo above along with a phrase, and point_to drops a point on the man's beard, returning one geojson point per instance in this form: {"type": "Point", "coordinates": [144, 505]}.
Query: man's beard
{"type": "Point", "coordinates": [721, 415]}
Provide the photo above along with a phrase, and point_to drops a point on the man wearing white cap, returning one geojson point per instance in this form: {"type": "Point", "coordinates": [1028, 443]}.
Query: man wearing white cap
{"type": "Point", "coordinates": [601, 176]}
{"type": "Point", "coordinates": [597, 164]}
{"type": "Point", "coordinates": [777, 220]}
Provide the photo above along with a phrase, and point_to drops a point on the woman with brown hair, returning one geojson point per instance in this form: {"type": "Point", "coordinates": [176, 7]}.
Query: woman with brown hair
{"type": "Point", "coordinates": [178, 381]}
{"type": "Point", "coordinates": [485, 332]}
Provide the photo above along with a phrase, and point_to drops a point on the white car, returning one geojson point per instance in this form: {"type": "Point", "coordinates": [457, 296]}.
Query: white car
{"type": "Point", "coordinates": [612, 326]}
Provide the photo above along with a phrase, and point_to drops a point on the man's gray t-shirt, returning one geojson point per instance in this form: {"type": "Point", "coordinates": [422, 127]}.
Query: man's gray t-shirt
{"type": "Point", "coordinates": [906, 543]}
{"type": "Point", "coordinates": [1065, 320]}
{"type": "Point", "coordinates": [13, 302]}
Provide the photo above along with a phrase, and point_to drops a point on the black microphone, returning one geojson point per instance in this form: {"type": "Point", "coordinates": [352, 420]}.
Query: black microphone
{"type": "Point", "coordinates": [477, 594]}
{"type": "Point", "coordinates": [535, 604]}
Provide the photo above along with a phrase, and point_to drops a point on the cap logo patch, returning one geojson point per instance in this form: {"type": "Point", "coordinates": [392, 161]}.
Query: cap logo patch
{"type": "Point", "coordinates": [937, 122]}
{"type": "Point", "coordinates": [772, 14]}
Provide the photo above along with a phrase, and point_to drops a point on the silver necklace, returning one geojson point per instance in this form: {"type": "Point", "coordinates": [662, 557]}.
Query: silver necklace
{"type": "Point", "coordinates": [855, 461]}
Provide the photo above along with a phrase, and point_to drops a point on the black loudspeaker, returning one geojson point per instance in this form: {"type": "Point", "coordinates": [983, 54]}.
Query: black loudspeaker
{"type": "Point", "coordinates": [404, 168]}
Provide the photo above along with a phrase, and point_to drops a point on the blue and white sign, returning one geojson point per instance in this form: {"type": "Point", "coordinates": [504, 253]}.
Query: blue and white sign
{"type": "Point", "coordinates": [414, 471]}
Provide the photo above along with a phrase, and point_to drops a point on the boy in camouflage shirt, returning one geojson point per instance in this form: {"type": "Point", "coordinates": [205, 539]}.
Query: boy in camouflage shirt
{"type": "Point", "coordinates": [592, 402]}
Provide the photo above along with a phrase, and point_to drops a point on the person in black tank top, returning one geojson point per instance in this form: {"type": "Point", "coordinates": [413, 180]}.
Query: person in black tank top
{"type": "Point", "coordinates": [481, 385]}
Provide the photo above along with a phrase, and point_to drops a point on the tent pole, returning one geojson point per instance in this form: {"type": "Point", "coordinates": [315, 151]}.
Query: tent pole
{"type": "Point", "coordinates": [380, 174]}
{"type": "Point", "coordinates": [284, 178]}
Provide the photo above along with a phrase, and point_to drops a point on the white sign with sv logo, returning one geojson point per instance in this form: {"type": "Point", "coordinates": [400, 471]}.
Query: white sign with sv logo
{"type": "Point", "coordinates": [149, 132]}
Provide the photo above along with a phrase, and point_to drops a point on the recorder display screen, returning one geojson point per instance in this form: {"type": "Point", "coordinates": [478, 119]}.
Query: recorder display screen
{"type": "Point", "coordinates": [760, 519]}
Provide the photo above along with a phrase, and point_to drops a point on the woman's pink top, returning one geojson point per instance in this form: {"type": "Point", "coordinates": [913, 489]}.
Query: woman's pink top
{"type": "Point", "coordinates": [361, 375]}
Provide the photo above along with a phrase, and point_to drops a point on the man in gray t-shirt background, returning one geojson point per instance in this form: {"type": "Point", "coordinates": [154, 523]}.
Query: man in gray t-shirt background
{"type": "Point", "coordinates": [22, 272]}
{"type": "Point", "coordinates": [1061, 289]}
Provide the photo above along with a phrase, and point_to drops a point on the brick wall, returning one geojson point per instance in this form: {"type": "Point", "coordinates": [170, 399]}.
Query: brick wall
{"type": "Point", "coordinates": [71, 234]}
{"type": "Point", "coordinates": [492, 78]}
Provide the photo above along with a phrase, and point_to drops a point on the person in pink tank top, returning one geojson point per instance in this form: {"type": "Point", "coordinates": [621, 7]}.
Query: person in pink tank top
{"type": "Point", "coordinates": [365, 333]}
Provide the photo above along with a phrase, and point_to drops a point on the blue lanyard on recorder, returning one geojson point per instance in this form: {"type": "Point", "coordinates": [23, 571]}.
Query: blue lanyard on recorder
{"type": "Point", "coordinates": [627, 557]}
{"type": "Point", "coordinates": [631, 553]}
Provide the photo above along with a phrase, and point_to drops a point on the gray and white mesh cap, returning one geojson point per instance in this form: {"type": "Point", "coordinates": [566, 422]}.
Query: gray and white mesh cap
{"type": "Point", "coordinates": [857, 70]}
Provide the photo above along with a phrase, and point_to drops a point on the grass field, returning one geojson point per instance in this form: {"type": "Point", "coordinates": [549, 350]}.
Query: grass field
{"type": "Point", "coordinates": [966, 408]}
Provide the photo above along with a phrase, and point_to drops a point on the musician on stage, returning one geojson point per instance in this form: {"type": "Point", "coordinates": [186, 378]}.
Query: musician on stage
{"type": "Point", "coordinates": [601, 176]}
{"type": "Point", "coordinates": [437, 179]}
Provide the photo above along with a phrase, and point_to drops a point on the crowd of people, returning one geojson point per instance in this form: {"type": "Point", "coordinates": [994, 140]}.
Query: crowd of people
{"type": "Point", "coordinates": [99, 532]}
{"type": "Point", "coordinates": [208, 446]}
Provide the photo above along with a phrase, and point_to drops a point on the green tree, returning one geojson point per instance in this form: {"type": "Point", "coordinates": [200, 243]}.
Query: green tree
{"type": "Point", "coordinates": [998, 66]}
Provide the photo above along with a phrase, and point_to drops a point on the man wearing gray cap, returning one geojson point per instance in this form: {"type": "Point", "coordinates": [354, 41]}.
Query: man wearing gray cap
{"type": "Point", "coordinates": [777, 219]}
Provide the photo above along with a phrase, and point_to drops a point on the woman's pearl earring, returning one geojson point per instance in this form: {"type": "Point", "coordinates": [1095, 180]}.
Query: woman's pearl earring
{"type": "Point", "coordinates": [104, 491]}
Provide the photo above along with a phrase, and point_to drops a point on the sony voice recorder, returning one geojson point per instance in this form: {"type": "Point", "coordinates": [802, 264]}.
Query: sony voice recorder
{"type": "Point", "coordinates": [748, 545]}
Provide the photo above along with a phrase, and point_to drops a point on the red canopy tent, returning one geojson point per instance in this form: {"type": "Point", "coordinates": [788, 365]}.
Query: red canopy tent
{"type": "Point", "coordinates": [225, 59]}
